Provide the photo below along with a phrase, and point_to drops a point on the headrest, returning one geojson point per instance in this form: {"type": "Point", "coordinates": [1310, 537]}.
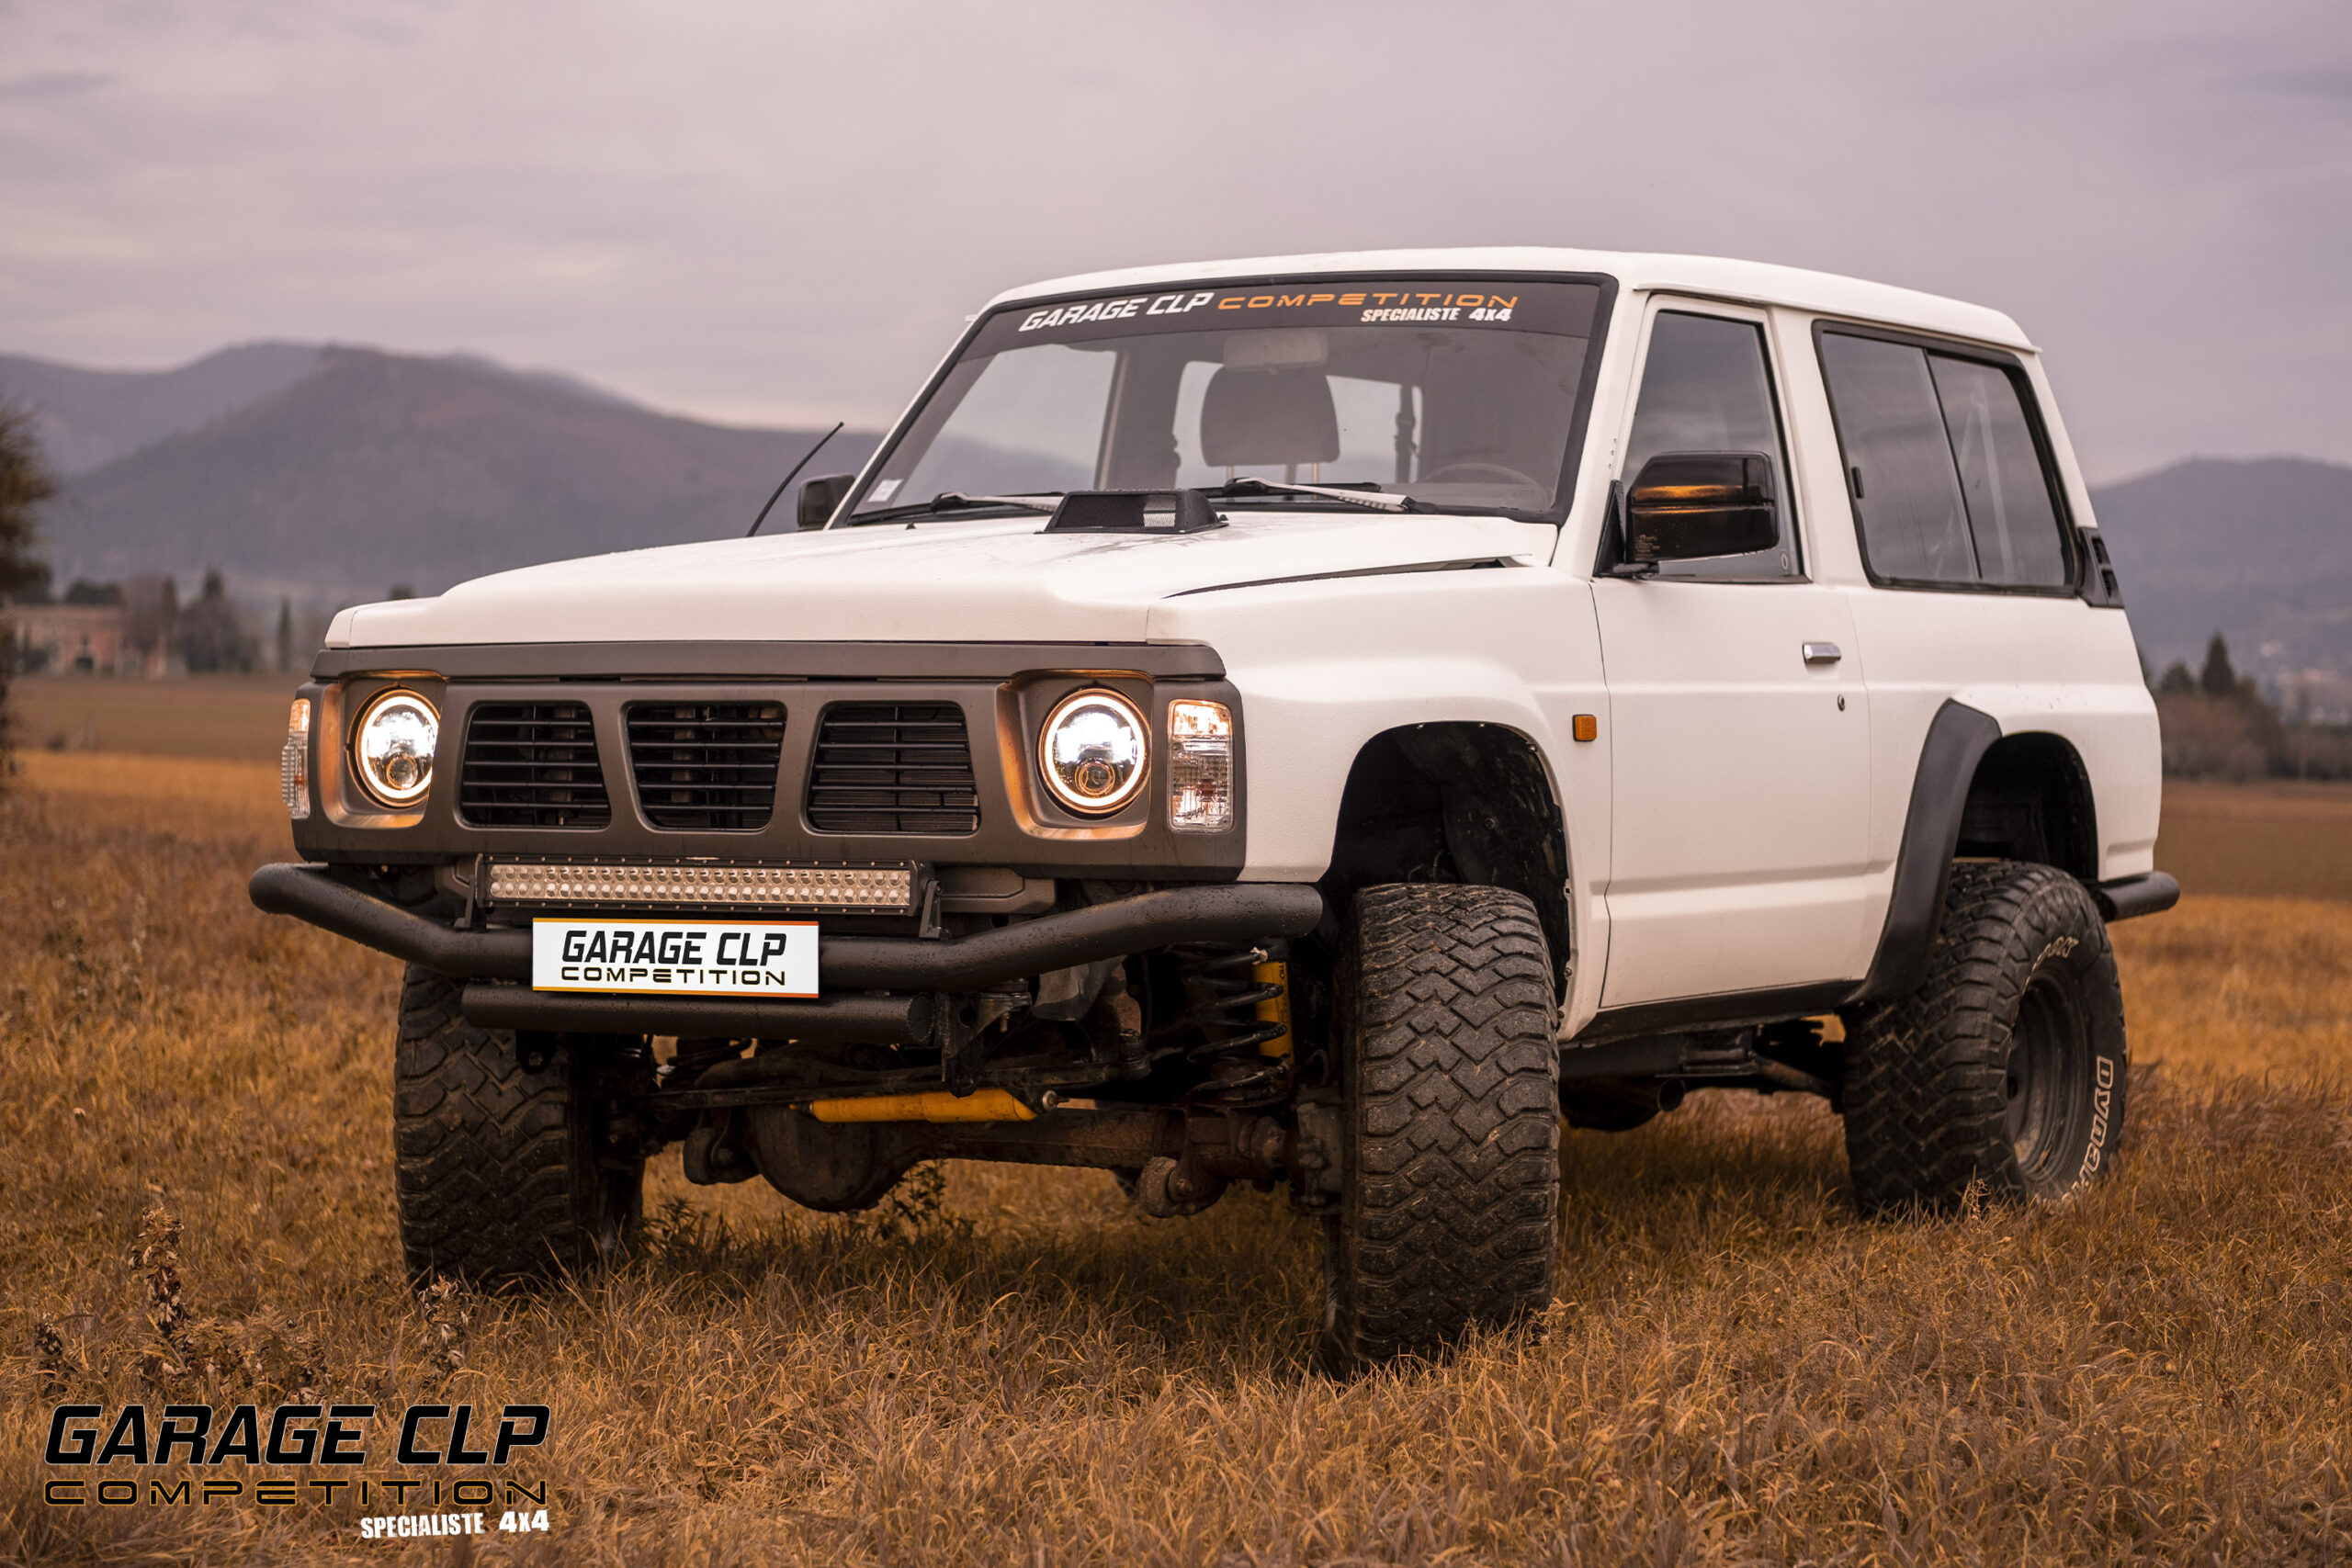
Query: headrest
{"type": "Point", "coordinates": [1257, 418]}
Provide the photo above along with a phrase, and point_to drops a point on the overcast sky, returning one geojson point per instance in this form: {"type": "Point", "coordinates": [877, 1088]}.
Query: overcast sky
{"type": "Point", "coordinates": [766, 213]}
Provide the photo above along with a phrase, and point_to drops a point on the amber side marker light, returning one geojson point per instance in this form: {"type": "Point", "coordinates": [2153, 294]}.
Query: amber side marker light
{"type": "Point", "coordinates": [1585, 727]}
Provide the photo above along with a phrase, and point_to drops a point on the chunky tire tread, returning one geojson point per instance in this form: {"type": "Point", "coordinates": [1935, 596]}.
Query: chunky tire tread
{"type": "Point", "coordinates": [1452, 1144]}
{"type": "Point", "coordinates": [1923, 1096]}
{"type": "Point", "coordinates": [494, 1165]}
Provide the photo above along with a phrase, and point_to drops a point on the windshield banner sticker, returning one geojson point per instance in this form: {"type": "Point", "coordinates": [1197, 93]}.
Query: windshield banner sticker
{"type": "Point", "coordinates": [1566, 309]}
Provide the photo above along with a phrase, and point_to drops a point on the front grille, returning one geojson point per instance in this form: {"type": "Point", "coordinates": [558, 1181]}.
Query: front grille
{"type": "Point", "coordinates": [532, 765]}
{"type": "Point", "coordinates": [893, 768]}
{"type": "Point", "coordinates": [705, 766]}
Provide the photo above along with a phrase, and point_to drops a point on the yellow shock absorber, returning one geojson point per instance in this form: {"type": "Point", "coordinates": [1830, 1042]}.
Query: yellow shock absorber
{"type": "Point", "coordinates": [1276, 1008]}
{"type": "Point", "coordinates": [982, 1105]}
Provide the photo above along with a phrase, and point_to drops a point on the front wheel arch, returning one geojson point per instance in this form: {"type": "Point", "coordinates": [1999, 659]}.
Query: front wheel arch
{"type": "Point", "coordinates": [1471, 803]}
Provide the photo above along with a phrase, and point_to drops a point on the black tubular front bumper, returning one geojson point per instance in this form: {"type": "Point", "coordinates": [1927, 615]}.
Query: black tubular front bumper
{"type": "Point", "coordinates": [1224, 911]}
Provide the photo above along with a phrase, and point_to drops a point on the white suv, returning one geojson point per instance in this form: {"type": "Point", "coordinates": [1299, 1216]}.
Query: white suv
{"type": "Point", "coordinates": [1315, 720]}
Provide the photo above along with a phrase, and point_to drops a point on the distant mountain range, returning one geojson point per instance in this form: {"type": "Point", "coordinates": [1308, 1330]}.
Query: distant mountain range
{"type": "Point", "coordinates": [332, 474]}
{"type": "Point", "coordinates": [88, 418]}
{"type": "Point", "coordinates": [2258, 549]}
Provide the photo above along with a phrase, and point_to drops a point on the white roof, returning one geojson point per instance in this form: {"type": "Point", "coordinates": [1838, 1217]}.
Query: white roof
{"type": "Point", "coordinates": [1755, 282]}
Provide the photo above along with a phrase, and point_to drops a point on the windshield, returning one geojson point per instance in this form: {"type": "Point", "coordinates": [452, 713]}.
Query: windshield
{"type": "Point", "coordinates": [1460, 392]}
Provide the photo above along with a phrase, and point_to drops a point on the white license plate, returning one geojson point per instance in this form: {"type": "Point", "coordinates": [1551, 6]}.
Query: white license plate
{"type": "Point", "coordinates": [692, 958]}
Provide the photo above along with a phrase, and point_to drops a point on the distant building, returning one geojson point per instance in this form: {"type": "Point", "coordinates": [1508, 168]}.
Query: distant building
{"type": "Point", "coordinates": [2315, 696]}
{"type": "Point", "coordinates": [71, 638]}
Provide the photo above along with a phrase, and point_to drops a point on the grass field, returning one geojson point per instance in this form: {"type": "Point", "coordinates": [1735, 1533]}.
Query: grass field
{"type": "Point", "coordinates": [204, 716]}
{"type": "Point", "coordinates": [1030, 1371]}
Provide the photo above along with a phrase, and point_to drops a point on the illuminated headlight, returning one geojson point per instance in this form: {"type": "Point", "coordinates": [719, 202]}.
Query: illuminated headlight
{"type": "Point", "coordinates": [1093, 750]}
{"type": "Point", "coordinates": [294, 762]}
{"type": "Point", "coordinates": [1200, 766]}
{"type": "Point", "coordinates": [393, 748]}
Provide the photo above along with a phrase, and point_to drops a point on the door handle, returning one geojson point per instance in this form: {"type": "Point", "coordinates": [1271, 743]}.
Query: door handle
{"type": "Point", "coordinates": [1822, 653]}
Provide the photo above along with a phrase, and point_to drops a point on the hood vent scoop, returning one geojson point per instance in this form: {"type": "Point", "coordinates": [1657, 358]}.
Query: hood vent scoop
{"type": "Point", "coordinates": [1133, 512]}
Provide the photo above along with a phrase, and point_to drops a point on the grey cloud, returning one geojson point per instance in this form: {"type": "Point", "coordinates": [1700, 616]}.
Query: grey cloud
{"type": "Point", "coordinates": [49, 85]}
{"type": "Point", "coordinates": [759, 211]}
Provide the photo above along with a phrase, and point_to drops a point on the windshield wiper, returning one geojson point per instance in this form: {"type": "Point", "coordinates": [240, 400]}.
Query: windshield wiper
{"type": "Point", "coordinates": [1039, 502]}
{"type": "Point", "coordinates": [1379, 500]}
{"type": "Point", "coordinates": [1042, 502]}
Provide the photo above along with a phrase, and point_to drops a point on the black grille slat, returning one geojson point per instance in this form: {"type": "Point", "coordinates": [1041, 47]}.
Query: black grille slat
{"type": "Point", "coordinates": [532, 765]}
{"type": "Point", "coordinates": [893, 768]}
{"type": "Point", "coordinates": [705, 766]}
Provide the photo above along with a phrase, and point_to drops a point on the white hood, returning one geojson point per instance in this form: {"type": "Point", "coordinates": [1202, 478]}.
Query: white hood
{"type": "Point", "coordinates": [942, 581]}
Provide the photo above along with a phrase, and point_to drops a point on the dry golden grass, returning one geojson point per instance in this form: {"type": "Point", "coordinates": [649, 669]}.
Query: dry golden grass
{"type": "Point", "coordinates": [2265, 839]}
{"type": "Point", "coordinates": [204, 716]}
{"type": "Point", "coordinates": [1740, 1372]}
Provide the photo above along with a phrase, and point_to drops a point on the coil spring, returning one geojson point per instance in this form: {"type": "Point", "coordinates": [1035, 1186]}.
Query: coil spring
{"type": "Point", "coordinates": [1224, 994]}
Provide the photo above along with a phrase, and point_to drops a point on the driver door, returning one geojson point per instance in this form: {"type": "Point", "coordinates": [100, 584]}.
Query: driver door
{"type": "Point", "coordinates": [1741, 722]}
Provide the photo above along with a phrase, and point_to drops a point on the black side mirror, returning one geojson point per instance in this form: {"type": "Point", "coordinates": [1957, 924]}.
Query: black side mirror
{"type": "Point", "coordinates": [822, 496]}
{"type": "Point", "coordinates": [1692, 505]}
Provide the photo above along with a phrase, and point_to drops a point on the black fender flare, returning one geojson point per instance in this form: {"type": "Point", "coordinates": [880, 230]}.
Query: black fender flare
{"type": "Point", "coordinates": [1958, 737]}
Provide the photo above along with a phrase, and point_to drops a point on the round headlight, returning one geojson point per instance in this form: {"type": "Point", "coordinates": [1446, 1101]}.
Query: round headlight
{"type": "Point", "coordinates": [392, 747]}
{"type": "Point", "coordinates": [1092, 752]}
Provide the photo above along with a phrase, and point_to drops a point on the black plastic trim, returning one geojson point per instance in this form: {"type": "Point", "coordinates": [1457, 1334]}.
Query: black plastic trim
{"type": "Point", "coordinates": [766, 661]}
{"type": "Point", "coordinates": [1958, 737]}
{"type": "Point", "coordinates": [850, 1020]}
{"type": "Point", "coordinates": [1727, 1010]}
{"type": "Point", "coordinates": [2102, 590]}
{"type": "Point", "coordinates": [1219, 912]}
{"type": "Point", "coordinates": [2128, 897]}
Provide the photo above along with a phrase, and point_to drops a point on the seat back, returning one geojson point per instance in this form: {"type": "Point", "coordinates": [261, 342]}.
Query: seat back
{"type": "Point", "coordinates": [1255, 418]}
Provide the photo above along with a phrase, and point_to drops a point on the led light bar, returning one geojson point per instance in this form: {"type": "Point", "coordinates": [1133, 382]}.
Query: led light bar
{"type": "Point", "coordinates": [878, 889]}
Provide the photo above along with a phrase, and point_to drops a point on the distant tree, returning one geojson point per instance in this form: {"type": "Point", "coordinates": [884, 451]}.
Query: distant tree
{"type": "Point", "coordinates": [212, 635]}
{"type": "Point", "coordinates": [37, 587]}
{"type": "Point", "coordinates": [2217, 723]}
{"type": "Point", "coordinates": [85, 592]}
{"type": "Point", "coordinates": [285, 636]}
{"type": "Point", "coordinates": [24, 485]}
{"type": "Point", "coordinates": [151, 618]}
{"type": "Point", "coordinates": [401, 591]}
{"type": "Point", "coordinates": [2220, 677]}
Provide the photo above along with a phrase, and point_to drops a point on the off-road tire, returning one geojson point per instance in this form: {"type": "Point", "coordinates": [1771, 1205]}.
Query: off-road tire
{"type": "Point", "coordinates": [496, 1161]}
{"type": "Point", "coordinates": [1449, 1142]}
{"type": "Point", "coordinates": [2006, 1066]}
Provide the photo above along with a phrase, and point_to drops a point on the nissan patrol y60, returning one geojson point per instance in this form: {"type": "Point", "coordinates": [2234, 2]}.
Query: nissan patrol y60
{"type": "Point", "coordinates": [1319, 721]}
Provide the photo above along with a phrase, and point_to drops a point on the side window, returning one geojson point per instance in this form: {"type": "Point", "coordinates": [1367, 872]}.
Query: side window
{"type": "Point", "coordinates": [1706, 387]}
{"type": "Point", "coordinates": [1947, 483]}
{"type": "Point", "coordinates": [2001, 477]}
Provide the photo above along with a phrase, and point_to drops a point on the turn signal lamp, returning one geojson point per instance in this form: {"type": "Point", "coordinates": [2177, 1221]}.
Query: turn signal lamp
{"type": "Point", "coordinates": [1200, 766]}
{"type": "Point", "coordinates": [294, 762]}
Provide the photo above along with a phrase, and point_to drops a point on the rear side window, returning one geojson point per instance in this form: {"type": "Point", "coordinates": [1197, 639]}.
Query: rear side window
{"type": "Point", "coordinates": [1947, 479]}
{"type": "Point", "coordinates": [2010, 513]}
